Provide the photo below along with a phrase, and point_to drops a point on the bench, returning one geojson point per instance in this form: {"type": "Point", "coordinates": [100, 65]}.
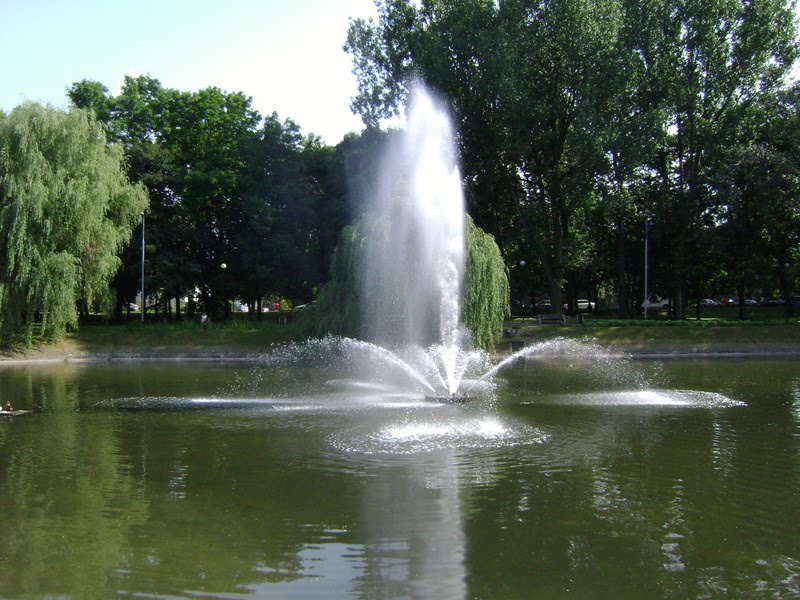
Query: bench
{"type": "Point", "coordinates": [552, 318]}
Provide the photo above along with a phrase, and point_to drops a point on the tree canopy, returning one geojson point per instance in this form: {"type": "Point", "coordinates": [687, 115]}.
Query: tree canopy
{"type": "Point", "coordinates": [66, 210]}
{"type": "Point", "coordinates": [582, 127]}
{"type": "Point", "coordinates": [579, 118]}
{"type": "Point", "coordinates": [485, 301]}
{"type": "Point", "coordinates": [228, 187]}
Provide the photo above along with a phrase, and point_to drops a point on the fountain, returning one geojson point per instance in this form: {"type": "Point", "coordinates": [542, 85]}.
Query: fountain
{"type": "Point", "coordinates": [411, 269]}
{"type": "Point", "coordinates": [327, 471]}
{"type": "Point", "coordinates": [411, 272]}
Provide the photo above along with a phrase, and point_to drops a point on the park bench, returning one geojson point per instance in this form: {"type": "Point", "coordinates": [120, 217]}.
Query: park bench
{"type": "Point", "coordinates": [552, 318]}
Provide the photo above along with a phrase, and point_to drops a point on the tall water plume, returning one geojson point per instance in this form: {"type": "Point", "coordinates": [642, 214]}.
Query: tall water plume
{"type": "Point", "coordinates": [414, 265]}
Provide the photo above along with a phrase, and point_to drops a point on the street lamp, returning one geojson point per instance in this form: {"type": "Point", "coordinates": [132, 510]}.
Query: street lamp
{"type": "Point", "coordinates": [143, 301]}
{"type": "Point", "coordinates": [646, 244]}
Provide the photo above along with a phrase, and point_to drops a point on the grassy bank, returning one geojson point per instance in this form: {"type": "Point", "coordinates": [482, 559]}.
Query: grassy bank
{"type": "Point", "coordinates": [707, 335]}
{"type": "Point", "coordinates": [249, 337]}
{"type": "Point", "coordinates": [173, 339]}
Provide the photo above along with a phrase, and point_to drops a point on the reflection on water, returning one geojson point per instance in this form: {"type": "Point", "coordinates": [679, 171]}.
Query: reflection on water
{"type": "Point", "coordinates": [235, 482]}
{"type": "Point", "coordinates": [651, 397]}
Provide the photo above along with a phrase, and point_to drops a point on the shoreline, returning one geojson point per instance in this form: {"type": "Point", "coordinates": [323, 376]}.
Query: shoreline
{"type": "Point", "coordinates": [261, 345]}
{"type": "Point", "coordinates": [233, 357]}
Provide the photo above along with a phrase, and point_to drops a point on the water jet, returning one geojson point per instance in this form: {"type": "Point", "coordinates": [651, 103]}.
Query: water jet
{"type": "Point", "coordinates": [453, 398]}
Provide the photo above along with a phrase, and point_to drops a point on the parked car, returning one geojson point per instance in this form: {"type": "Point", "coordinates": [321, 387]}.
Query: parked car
{"type": "Point", "coordinates": [544, 306]}
{"type": "Point", "coordinates": [522, 304]}
{"type": "Point", "coordinates": [735, 302]}
{"type": "Point", "coordinates": [133, 306]}
{"type": "Point", "coordinates": [773, 302]}
{"type": "Point", "coordinates": [707, 302]}
{"type": "Point", "coordinates": [583, 304]}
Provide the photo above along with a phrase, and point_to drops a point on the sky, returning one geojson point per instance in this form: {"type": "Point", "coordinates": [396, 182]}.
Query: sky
{"type": "Point", "coordinates": [286, 54]}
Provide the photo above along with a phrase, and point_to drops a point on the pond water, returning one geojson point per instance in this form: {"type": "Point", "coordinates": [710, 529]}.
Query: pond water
{"type": "Point", "coordinates": [156, 480]}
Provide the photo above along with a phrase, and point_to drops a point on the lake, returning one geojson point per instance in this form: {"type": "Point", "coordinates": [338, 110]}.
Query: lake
{"type": "Point", "coordinates": [672, 479]}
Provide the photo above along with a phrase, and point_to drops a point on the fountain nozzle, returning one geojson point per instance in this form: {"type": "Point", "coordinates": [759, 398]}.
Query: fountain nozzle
{"type": "Point", "coordinates": [453, 398]}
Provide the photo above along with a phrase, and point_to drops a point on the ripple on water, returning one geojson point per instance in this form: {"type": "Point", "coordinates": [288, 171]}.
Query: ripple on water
{"type": "Point", "coordinates": [644, 398]}
{"type": "Point", "coordinates": [414, 435]}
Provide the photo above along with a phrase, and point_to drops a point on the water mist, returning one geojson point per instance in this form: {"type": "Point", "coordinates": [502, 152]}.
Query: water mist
{"type": "Point", "coordinates": [414, 267]}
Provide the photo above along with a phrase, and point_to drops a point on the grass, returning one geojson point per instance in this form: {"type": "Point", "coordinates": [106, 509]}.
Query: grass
{"type": "Point", "coordinates": [189, 337]}
{"type": "Point", "coordinates": [706, 335]}
{"type": "Point", "coordinates": [243, 335]}
{"type": "Point", "coordinates": [715, 332]}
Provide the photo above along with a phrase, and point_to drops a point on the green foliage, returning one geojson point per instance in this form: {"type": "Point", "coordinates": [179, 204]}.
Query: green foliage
{"type": "Point", "coordinates": [66, 211]}
{"type": "Point", "coordinates": [577, 118]}
{"type": "Point", "coordinates": [712, 62]}
{"type": "Point", "coordinates": [226, 186]}
{"type": "Point", "coordinates": [486, 294]}
{"type": "Point", "coordinates": [338, 307]}
{"type": "Point", "coordinates": [486, 290]}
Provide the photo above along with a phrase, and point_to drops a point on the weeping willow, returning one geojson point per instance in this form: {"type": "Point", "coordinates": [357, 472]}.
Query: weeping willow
{"type": "Point", "coordinates": [486, 294]}
{"type": "Point", "coordinates": [337, 310]}
{"type": "Point", "coordinates": [484, 306]}
{"type": "Point", "coordinates": [66, 210]}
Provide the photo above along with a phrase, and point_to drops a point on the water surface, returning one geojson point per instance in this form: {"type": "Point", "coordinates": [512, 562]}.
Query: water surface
{"type": "Point", "coordinates": [679, 479]}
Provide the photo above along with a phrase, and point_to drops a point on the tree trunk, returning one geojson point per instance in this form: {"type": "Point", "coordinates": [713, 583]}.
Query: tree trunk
{"type": "Point", "coordinates": [786, 290]}
{"type": "Point", "coordinates": [740, 295]}
{"type": "Point", "coordinates": [622, 288]}
{"type": "Point", "coordinates": [553, 286]}
{"type": "Point", "coordinates": [681, 301]}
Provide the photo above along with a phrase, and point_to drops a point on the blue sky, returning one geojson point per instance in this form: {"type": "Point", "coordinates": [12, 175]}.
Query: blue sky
{"type": "Point", "coordinates": [286, 54]}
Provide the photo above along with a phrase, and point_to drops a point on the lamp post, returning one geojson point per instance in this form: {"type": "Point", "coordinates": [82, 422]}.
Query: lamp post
{"type": "Point", "coordinates": [646, 244]}
{"type": "Point", "coordinates": [143, 301]}
{"type": "Point", "coordinates": [226, 312]}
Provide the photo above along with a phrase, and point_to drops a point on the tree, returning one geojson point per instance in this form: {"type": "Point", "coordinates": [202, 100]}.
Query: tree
{"type": "Point", "coordinates": [564, 103]}
{"type": "Point", "coordinates": [628, 124]}
{"type": "Point", "coordinates": [93, 96]}
{"type": "Point", "coordinates": [525, 80]}
{"type": "Point", "coordinates": [226, 187]}
{"type": "Point", "coordinates": [276, 243]}
{"type": "Point", "coordinates": [66, 210]}
{"type": "Point", "coordinates": [191, 151]}
{"type": "Point", "coordinates": [485, 301]}
{"type": "Point", "coordinates": [208, 135]}
{"type": "Point", "coordinates": [327, 179]}
{"type": "Point", "coordinates": [713, 60]}
{"type": "Point", "coordinates": [748, 183]}
{"type": "Point", "coordinates": [780, 135]}
{"type": "Point", "coordinates": [136, 119]}
{"type": "Point", "coordinates": [557, 86]}
{"type": "Point", "coordinates": [759, 183]}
